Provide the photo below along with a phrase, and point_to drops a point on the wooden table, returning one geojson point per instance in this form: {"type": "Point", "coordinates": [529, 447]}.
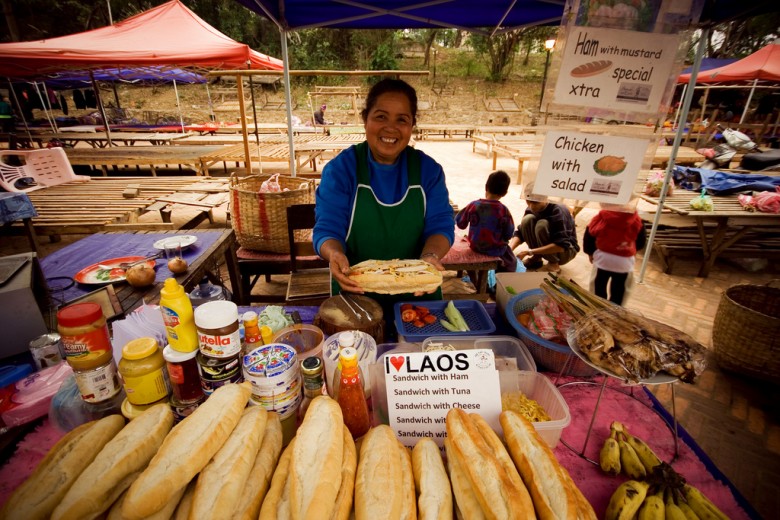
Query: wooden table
{"type": "Point", "coordinates": [426, 130]}
{"type": "Point", "coordinates": [152, 156]}
{"type": "Point", "coordinates": [100, 140]}
{"type": "Point", "coordinates": [213, 247]}
{"type": "Point", "coordinates": [116, 203]}
{"type": "Point", "coordinates": [685, 156]}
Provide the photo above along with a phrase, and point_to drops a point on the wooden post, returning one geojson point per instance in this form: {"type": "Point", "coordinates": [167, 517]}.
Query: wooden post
{"type": "Point", "coordinates": [242, 113]}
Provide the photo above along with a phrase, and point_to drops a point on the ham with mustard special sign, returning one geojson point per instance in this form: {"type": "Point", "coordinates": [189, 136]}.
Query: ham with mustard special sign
{"type": "Point", "coordinates": [594, 167]}
{"type": "Point", "coordinates": [423, 386]}
{"type": "Point", "coordinates": [615, 69]}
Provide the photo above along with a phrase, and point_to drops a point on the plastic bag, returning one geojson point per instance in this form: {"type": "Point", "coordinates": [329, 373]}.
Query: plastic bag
{"type": "Point", "coordinates": [274, 317]}
{"type": "Point", "coordinates": [703, 202]}
{"type": "Point", "coordinates": [549, 321]}
{"type": "Point", "coordinates": [271, 185]}
{"type": "Point", "coordinates": [654, 184]}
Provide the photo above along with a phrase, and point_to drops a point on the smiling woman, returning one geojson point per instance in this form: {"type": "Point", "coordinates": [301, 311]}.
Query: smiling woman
{"type": "Point", "coordinates": [382, 199]}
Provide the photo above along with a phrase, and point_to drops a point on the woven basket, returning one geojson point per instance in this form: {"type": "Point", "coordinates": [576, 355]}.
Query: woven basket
{"type": "Point", "coordinates": [260, 219]}
{"type": "Point", "coordinates": [548, 354]}
{"type": "Point", "coordinates": [746, 331]}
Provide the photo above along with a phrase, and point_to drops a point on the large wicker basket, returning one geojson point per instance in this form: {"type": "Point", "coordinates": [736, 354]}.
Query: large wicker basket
{"type": "Point", "coordinates": [746, 331]}
{"type": "Point", "coordinates": [260, 219]}
{"type": "Point", "coordinates": [548, 354]}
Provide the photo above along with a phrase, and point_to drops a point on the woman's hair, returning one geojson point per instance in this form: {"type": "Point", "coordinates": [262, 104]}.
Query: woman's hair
{"type": "Point", "coordinates": [390, 85]}
{"type": "Point", "coordinates": [498, 183]}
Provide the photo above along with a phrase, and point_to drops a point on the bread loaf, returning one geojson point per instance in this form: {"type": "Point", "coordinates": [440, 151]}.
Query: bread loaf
{"type": "Point", "coordinates": [348, 470]}
{"type": "Point", "coordinates": [185, 503]}
{"type": "Point", "coordinates": [377, 490]}
{"type": "Point", "coordinates": [409, 498]}
{"type": "Point", "coordinates": [115, 513]}
{"type": "Point", "coordinates": [396, 276]}
{"type": "Point", "coordinates": [584, 509]}
{"type": "Point", "coordinates": [466, 503]}
{"type": "Point", "coordinates": [551, 493]}
{"type": "Point", "coordinates": [263, 469]}
{"type": "Point", "coordinates": [117, 465]}
{"type": "Point", "coordinates": [434, 496]}
{"type": "Point", "coordinates": [315, 468]}
{"type": "Point", "coordinates": [186, 451]}
{"type": "Point", "coordinates": [37, 497]}
{"type": "Point", "coordinates": [276, 504]}
{"type": "Point", "coordinates": [495, 488]}
{"type": "Point", "coordinates": [221, 482]}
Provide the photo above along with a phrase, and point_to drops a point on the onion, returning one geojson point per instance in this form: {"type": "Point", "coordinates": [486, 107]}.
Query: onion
{"type": "Point", "coordinates": [177, 265]}
{"type": "Point", "coordinates": [140, 275]}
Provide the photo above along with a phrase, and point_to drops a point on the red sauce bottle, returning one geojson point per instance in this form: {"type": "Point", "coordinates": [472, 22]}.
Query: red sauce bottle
{"type": "Point", "coordinates": [351, 398]}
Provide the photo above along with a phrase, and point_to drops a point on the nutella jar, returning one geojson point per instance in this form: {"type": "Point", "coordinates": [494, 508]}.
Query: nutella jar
{"type": "Point", "coordinates": [218, 335]}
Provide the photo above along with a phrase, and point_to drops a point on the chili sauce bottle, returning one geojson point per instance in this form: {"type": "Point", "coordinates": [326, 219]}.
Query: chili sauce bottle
{"type": "Point", "coordinates": [351, 398]}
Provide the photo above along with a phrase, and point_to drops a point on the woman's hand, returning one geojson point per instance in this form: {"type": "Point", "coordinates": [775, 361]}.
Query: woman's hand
{"type": "Point", "coordinates": [432, 259]}
{"type": "Point", "coordinates": [522, 254]}
{"type": "Point", "coordinates": [339, 268]}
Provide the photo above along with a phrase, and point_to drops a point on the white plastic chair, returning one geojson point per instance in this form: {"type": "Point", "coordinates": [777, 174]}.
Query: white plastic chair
{"type": "Point", "coordinates": [47, 167]}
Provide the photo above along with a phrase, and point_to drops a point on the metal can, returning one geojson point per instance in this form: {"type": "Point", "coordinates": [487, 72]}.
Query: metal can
{"type": "Point", "coordinates": [46, 350]}
{"type": "Point", "coordinates": [216, 372]}
{"type": "Point", "coordinates": [182, 409]}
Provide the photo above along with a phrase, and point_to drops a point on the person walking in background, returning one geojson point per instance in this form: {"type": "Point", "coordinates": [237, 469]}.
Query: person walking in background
{"type": "Point", "coordinates": [490, 223]}
{"type": "Point", "coordinates": [611, 241]}
{"type": "Point", "coordinates": [549, 231]}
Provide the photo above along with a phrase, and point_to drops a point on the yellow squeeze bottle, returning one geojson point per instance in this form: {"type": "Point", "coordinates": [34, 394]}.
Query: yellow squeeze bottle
{"type": "Point", "coordinates": [178, 317]}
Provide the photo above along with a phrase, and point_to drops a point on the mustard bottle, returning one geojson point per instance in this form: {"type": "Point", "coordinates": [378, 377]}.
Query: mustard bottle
{"type": "Point", "coordinates": [178, 317]}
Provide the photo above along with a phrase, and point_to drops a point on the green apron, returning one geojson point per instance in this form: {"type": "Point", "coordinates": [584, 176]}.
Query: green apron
{"type": "Point", "coordinates": [380, 231]}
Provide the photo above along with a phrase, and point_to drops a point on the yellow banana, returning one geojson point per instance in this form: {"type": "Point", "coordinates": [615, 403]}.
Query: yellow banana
{"type": "Point", "coordinates": [609, 457]}
{"type": "Point", "coordinates": [646, 455]}
{"type": "Point", "coordinates": [626, 500]}
{"type": "Point", "coordinates": [687, 511]}
{"type": "Point", "coordinates": [653, 508]}
{"type": "Point", "coordinates": [629, 460]}
{"type": "Point", "coordinates": [701, 505]}
{"type": "Point", "coordinates": [673, 511]}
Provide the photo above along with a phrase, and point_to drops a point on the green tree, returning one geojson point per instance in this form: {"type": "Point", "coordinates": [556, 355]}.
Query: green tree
{"type": "Point", "coordinates": [501, 50]}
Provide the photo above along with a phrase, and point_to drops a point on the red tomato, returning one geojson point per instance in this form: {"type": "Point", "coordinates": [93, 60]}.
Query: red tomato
{"type": "Point", "coordinates": [419, 324]}
{"type": "Point", "coordinates": [429, 319]}
{"type": "Point", "coordinates": [408, 315]}
{"type": "Point", "coordinates": [422, 311]}
{"type": "Point", "coordinates": [116, 273]}
{"type": "Point", "coordinates": [406, 307]}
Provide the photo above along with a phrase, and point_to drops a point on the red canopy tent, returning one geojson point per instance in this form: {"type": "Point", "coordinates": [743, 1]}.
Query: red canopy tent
{"type": "Point", "coordinates": [762, 65]}
{"type": "Point", "coordinates": [167, 35]}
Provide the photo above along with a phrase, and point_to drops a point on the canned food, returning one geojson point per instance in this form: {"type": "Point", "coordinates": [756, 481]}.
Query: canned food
{"type": "Point", "coordinates": [46, 351]}
{"type": "Point", "coordinates": [216, 372]}
{"type": "Point", "coordinates": [182, 409]}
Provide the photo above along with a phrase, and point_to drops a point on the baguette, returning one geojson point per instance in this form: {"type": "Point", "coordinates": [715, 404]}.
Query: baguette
{"type": "Point", "coordinates": [396, 276]}
{"type": "Point", "coordinates": [222, 480]}
{"type": "Point", "coordinates": [184, 506]}
{"type": "Point", "coordinates": [348, 469]}
{"type": "Point", "coordinates": [377, 493]}
{"type": "Point", "coordinates": [467, 505]}
{"type": "Point", "coordinates": [434, 495]}
{"type": "Point", "coordinates": [495, 489]}
{"type": "Point", "coordinates": [37, 497]}
{"type": "Point", "coordinates": [315, 468]}
{"type": "Point", "coordinates": [276, 504]}
{"type": "Point", "coordinates": [116, 466]}
{"type": "Point", "coordinates": [263, 469]}
{"type": "Point", "coordinates": [186, 451]}
{"type": "Point", "coordinates": [409, 499]}
{"type": "Point", "coordinates": [553, 497]}
{"type": "Point", "coordinates": [115, 513]}
{"type": "Point", "coordinates": [584, 509]}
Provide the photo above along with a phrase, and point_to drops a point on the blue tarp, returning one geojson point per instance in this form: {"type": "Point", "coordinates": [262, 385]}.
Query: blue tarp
{"type": "Point", "coordinates": [722, 183]}
{"type": "Point", "coordinates": [140, 75]}
{"type": "Point", "coordinates": [711, 63]}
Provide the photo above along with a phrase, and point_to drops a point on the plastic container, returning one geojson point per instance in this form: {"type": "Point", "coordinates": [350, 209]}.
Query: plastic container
{"type": "Point", "coordinates": [306, 339]}
{"type": "Point", "coordinates": [366, 347]}
{"type": "Point", "coordinates": [547, 354]}
{"type": "Point", "coordinates": [178, 317]}
{"type": "Point", "coordinates": [132, 411]}
{"type": "Point", "coordinates": [538, 387]}
{"type": "Point", "coordinates": [474, 314]}
{"type": "Point", "coordinates": [217, 324]}
{"type": "Point", "coordinates": [510, 353]}
{"type": "Point", "coordinates": [84, 335]}
{"type": "Point", "coordinates": [142, 368]}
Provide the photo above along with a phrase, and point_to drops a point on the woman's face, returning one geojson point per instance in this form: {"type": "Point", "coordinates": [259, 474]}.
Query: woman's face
{"type": "Point", "coordinates": [389, 126]}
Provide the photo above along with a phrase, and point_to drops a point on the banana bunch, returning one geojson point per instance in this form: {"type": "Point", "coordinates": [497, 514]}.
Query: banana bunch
{"type": "Point", "coordinates": [624, 452]}
{"type": "Point", "coordinates": [664, 495]}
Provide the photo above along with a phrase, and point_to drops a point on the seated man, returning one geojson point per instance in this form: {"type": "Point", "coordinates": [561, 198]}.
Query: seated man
{"type": "Point", "coordinates": [549, 231]}
{"type": "Point", "coordinates": [319, 116]}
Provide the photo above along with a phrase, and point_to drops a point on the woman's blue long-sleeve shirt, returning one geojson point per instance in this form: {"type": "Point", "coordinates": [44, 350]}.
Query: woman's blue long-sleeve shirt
{"type": "Point", "coordinates": [336, 195]}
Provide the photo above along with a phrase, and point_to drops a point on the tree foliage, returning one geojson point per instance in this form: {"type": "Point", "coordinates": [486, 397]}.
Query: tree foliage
{"type": "Point", "coordinates": [741, 38]}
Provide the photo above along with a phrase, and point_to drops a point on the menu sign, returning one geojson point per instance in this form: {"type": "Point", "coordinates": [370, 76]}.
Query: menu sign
{"type": "Point", "coordinates": [423, 386]}
{"type": "Point", "coordinates": [593, 167]}
{"type": "Point", "coordinates": [615, 69]}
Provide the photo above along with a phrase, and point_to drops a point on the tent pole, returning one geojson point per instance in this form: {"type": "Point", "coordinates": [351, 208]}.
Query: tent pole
{"type": "Point", "coordinates": [211, 104]}
{"type": "Point", "coordinates": [178, 106]}
{"type": "Point", "coordinates": [19, 110]}
{"type": "Point", "coordinates": [677, 112]}
{"type": "Point", "coordinates": [675, 147]}
{"type": "Point", "coordinates": [749, 99]}
{"type": "Point", "coordinates": [102, 108]}
{"type": "Point", "coordinates": [116, 94]}
{"type": "Point", "coordinates": [44, 103]}
{"type": "Point", "coordinates": [254, 117]}
{"type": "Point", "coordinates": [288, 99]}
{"type": "Point", "coordinates": [242, 113]}
{"type": "Point", "coordinates": [51, 109]}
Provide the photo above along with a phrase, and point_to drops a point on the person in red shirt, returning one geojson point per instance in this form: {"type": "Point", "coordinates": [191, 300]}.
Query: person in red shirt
{"type": "Point", "coordinates": [611, 241]}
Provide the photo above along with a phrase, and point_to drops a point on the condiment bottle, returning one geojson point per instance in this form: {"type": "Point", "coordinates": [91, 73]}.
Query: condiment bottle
{"type": "Point", "coordinates": [88, 350]}
{"type": "Point", "coordinates": [351, 398]}
{"type": "Point", "coordinates": [183, 375]}
{"type": "Point", "coordinates": [313, 383]}
{"type": "Point", "coordinates": [267, 333]}
{"type": "Point", "coordinates": [178, 317]}
{"type": "Point", "coordinates": [143, 371]}
{"type": "Point", "coordinates": [346, 340]}
{"type": "Point", "coordinates": [252, 336]}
